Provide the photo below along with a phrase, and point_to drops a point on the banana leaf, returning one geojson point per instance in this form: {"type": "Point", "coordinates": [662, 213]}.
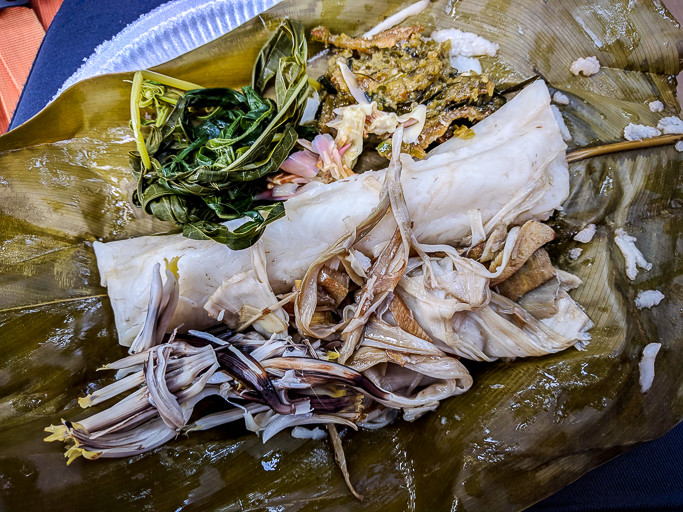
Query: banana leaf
{"type": "Point", "coordinates": [526, 429]}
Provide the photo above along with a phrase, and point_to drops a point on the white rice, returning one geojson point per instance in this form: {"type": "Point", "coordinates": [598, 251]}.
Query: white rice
{"type": "Point", "coordinates": [679, 146]}
{"type": "Point", "coordinates": [466, 44]}
{"type": "Point", "coordinates": [632, 256]}
{"type": "Point", "coordinates": [586, 67]}
{"type": "Point", "coordinates": [656, 106]}
{"type": "Point", "coordinates": [640, 131]}
{"type": "Point", "coordinates": [647, 366]}
{"type": "Point", "coordinates": [670, 125]}
{"type": "Point", "coordinates": [308, 433]}
{"type": "Point", "coordinates": [575, 253]}
{"type": "Point", "coordinates": [560, 98]}
{"type": "Point", "coordinates": [586, 234]}
{"type": "Point", "coordinates": [647, 299]}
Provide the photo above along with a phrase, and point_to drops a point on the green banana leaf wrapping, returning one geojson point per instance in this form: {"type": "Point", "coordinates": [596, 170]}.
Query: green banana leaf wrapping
{"type": "Point", "coordinates": [526, 428]}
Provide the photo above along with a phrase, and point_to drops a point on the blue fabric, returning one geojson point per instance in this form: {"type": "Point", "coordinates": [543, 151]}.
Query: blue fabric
{"type": "Point", "coordinates": [12, 3]}
{"type": "Point", "coordinates": [649, 477]}
{"type": "Point", "coordinates": [77, 29]}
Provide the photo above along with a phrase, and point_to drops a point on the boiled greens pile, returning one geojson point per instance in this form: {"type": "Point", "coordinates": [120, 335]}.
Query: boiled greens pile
{"type": "Point", "coordinates": [208, 151]}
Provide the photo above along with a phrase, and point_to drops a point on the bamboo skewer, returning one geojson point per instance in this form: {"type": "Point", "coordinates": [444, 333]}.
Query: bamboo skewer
{"type": "Point", "coordinates": [583, 153]}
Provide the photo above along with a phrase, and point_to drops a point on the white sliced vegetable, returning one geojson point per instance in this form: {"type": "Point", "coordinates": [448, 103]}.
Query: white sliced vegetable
{"type": "Point", "coordinates": [398, 17]}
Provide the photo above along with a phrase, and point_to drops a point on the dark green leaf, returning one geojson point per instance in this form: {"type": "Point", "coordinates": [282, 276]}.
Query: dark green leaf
{"type": "Point", "coordinates": [242, 237]}
{"type": "Point", "coordinates": [210, 150]}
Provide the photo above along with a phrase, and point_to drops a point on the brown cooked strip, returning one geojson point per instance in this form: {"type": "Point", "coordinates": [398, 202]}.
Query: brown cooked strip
{"type": "Point", "coordinates": [436, 126]}
{"type": "Point", "coordinates": [477, 251]}
{"type": "Point", "coordinates": [532, 236]}
{"type": "Point", "coordinates": [405, 319]}
{"type": "Point", "coordinates": [334, 283]}
{"type": "Point", "coordinates": [386, 39]}
{"type": "Point", "coordinates": [537, 270]}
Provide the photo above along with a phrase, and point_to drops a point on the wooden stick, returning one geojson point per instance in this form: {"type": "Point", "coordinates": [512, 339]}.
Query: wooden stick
{"type": "Point", "coordinates": [629, 145]}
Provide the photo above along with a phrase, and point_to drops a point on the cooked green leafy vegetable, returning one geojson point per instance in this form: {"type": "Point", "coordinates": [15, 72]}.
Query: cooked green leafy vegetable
{"type": "Point", "coordinates": [208, 151]}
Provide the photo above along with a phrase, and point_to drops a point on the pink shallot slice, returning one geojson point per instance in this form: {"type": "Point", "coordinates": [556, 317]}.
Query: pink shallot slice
{"type": "Point", "coordinates": [302, 163]}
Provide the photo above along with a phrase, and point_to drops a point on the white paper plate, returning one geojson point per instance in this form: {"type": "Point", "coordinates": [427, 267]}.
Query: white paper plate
{"type": "Point", "coordinates": [165, 33]}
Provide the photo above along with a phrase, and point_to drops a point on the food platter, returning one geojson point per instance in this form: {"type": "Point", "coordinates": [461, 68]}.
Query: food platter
{"type": "Point", "coordinates": [524, 430]}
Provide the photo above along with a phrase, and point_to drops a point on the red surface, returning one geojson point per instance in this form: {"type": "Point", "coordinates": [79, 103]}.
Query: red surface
{"type": "Point", "coordinates": [46, 10]}
{"type": "Point", "coordinates": [22, 30]}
